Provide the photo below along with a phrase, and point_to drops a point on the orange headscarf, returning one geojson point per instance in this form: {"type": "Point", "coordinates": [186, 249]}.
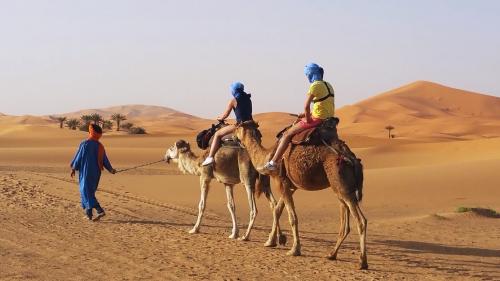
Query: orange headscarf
{"type": "Point", "coordinates": [93, 135]}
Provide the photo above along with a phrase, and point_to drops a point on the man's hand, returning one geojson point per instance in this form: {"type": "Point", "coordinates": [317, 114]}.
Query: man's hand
{"type": "Point", "coordinates": [113, 171]}
{"type": "Point", "coordinates": [72, 173]}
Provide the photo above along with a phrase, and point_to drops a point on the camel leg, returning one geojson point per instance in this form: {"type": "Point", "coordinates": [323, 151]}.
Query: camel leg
{"type": "Point", "coordinates": [253, 211]}
{"type": "Point", "coordinates": [294, 222]}
{"type": "Point", "coordinates": [361, 221]}
{"type": "Point", "coordinates": [204, 184]}
{"type": "Point", "coordinates": [231, 207]}
{"type": "Point", "coordinates": [344, 229]}
{"type": "Point", "coordinates": [277, 209]}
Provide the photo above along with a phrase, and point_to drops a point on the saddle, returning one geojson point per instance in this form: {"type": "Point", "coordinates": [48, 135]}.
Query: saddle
{"type": "Point", "coordinates": [325, 132]}
{"type": "Point", "coordinates": [229, 141]}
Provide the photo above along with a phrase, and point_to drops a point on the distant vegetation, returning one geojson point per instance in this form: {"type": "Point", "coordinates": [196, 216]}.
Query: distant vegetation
{"type": "Point", "coordinates": [60, 119]}
{"type": "Point", "coordinates": [107, 125]}
{"type": "Point", "coordinates": [479, 211]}
{"type": "Point", "coordinates": [389, 128]}
{"type": "Point", "coordinates": [127, 126]}
{"type": "Point", "coordinates": [73, 123]}
{"type": "Point", "coordinates": [118, 118]}
{"type": "Point", "coordinates": [131, 129]}
{"type": "Point", "coordinates": [85, 120]}
{"type": "Point", "coordinates": [137, 131]}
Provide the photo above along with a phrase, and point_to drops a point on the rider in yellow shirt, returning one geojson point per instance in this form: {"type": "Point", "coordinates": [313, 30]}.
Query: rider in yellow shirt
{"type": "Point", "coordinates": [321, 95]}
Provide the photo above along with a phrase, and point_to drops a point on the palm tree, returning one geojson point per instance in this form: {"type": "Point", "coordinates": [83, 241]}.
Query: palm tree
{"type": "Point", "coordinates": [73, 123]}
{"type": "Point", "coordinates": [86, 119]}
{"type": "Point", "coordinates": [96, 118]}
{"type": "Point", "coordinates": [118, 118]}
{"type": "Point", "coordinates": [61, 120]}
{"type": "Point", "coordinates": [107, 124]}
{"type": "Point", "coordinates": [389, 128]}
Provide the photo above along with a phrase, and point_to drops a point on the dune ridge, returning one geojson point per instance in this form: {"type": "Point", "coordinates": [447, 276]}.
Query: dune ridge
{"type": "Point", "coordinates": [419, 110]}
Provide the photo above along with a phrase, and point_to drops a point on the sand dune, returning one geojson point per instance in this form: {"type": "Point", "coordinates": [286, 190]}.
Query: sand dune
{"type": "Point", "coordinates": [418, 111]}
{"type": "Point", "coordinates": [424, 109]}
{"type": "Point", "coordinates": [134, 111]}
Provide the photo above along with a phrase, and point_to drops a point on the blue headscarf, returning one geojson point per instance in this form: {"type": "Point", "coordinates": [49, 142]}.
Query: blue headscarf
{"type": "Point", "coordinates": [237, 89]}
{"type": "Point", "coordinates": [313, 72]}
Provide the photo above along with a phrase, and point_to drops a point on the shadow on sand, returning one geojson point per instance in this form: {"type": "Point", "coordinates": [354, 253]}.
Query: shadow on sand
{"type": "Point", "coordinates": [426, 247]}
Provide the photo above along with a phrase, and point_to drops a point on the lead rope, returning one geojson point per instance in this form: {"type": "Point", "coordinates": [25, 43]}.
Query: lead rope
{"type": "Point", "coordinates": [142, 165]}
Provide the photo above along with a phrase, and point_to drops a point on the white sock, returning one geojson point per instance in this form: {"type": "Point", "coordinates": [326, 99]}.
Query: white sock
{"type": "Point", "coordinates": [271, 162]}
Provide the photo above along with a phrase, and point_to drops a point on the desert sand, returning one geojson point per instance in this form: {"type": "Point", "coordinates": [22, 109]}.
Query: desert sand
{"type": "Point", "coordinates": [445, 155]}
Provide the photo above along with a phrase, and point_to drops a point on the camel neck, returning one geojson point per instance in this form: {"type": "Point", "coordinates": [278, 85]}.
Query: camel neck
{"type": "Point", "coordinates": [258, 154]}
{"type": "Point", "coordinates": [189, 163]}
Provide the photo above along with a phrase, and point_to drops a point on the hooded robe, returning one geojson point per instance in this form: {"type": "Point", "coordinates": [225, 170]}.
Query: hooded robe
{"type": "Point", "coordinates": [89, 161]}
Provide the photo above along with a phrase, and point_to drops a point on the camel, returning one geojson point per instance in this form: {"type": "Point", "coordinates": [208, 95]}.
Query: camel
{"type": "Point", "coordinates": [232, 166]}
{"type": "Point", "coordinates": [312, 168]}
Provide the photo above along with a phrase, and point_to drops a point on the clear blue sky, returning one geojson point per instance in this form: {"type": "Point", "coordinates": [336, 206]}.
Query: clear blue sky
{"type": "Point", "coordinates": [60, 56]}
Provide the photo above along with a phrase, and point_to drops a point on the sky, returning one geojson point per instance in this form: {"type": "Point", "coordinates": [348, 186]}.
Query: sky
{"type": "Point", "coordinates": [67, 55]}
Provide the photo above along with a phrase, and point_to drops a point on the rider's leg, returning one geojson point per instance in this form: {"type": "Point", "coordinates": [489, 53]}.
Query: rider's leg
{"type": "Point", "coordinates": [216, 143]}
{"type": "Point", "coordinates": [283, 144]}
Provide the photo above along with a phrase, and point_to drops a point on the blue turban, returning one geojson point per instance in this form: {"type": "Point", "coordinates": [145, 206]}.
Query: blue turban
{"type": "Point", "coordinates": [237, 89]}
{"type": "Point", "coordinates": [313, 72]}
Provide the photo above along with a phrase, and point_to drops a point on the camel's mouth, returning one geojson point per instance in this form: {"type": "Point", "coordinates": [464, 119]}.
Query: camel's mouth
{"type": "Point", "coordinates": [167, 159]}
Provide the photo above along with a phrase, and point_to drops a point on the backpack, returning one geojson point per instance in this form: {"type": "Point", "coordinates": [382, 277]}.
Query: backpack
{"type": "Point", "coordinates": [203, 137]}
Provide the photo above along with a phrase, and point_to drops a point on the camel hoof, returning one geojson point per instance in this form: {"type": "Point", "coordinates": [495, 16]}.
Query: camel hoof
{"type": "Point", "coordinates": [193, 231]}
{"type": "Point", "coordinates": [233, 236]}
{"type": "Point", "coordinates": [282, 239]}
{"type": "Point", "coordinates": [244, 238]}
{"type": "Point", "coordinates": [332, 257]}
{"type": "Point", "coordinates": [270, 244]}
{"type": "Point", "coordinates": [293, 252]}
{"type": "Point", "coordinates": [363, 265]}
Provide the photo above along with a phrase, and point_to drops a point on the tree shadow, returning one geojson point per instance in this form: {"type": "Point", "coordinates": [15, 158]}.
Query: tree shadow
{"type": "Point", "coordinates": [426, 247]}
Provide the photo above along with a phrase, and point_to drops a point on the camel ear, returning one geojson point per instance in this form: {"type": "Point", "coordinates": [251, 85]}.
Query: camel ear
{"type": "Point", "coordinates": [182, 145]}
{"type": "Point", "coordinates": [187, 147]}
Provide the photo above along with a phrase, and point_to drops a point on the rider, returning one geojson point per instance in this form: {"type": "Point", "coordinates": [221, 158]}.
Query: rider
{"type": "Point", "coordinates": [321, 95]}
{"type": "Point", "coordinates": [242, 106]}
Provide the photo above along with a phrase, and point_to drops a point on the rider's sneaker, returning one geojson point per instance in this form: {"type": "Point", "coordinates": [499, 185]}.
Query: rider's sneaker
{"type": "Point", "coordinates": [269, 167]}
{"type": "Point", "coordinates": [208, 161]}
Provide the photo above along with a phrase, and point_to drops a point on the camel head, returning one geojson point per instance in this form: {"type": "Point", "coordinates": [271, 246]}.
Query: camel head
{"type": "Point", "coordinates": [248, 129]}
{"type": "Point", "coordinates": [180, 146]}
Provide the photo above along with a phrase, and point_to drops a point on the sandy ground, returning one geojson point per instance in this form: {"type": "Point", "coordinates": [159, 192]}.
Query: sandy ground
{"type": "Point", "coordinates": [412, 190]}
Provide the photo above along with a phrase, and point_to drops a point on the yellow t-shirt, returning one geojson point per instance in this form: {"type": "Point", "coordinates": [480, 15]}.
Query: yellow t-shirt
{"type": "Point", "coordinates": [325, 108]}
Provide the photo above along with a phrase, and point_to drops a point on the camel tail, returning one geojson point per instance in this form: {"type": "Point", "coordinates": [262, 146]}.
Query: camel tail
{"type": "Point", "coordinates": [263, 185]}
{"type": "Point", "coordinates": [358, 176]}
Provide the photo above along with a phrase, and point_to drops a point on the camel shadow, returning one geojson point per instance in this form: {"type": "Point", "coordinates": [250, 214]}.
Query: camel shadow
{"type": "Point", "coordinates": [426, 247]}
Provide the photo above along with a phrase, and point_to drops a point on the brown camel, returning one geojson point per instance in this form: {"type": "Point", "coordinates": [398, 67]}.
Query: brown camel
{"type": "Point", "coordinates": [232, 166]}
{"type": "Point", "coordinates": [311, 168]}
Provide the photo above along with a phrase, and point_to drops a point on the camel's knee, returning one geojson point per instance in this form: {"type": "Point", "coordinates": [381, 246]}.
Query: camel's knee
{"type": "Point", "coordinates": [230, 206]}
{"type": "Point", "coordinates": [201, 206]}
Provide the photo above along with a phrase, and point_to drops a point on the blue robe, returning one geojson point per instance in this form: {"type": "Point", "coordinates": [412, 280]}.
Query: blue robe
{"type": "Point", "coordinates": [89, 171]}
